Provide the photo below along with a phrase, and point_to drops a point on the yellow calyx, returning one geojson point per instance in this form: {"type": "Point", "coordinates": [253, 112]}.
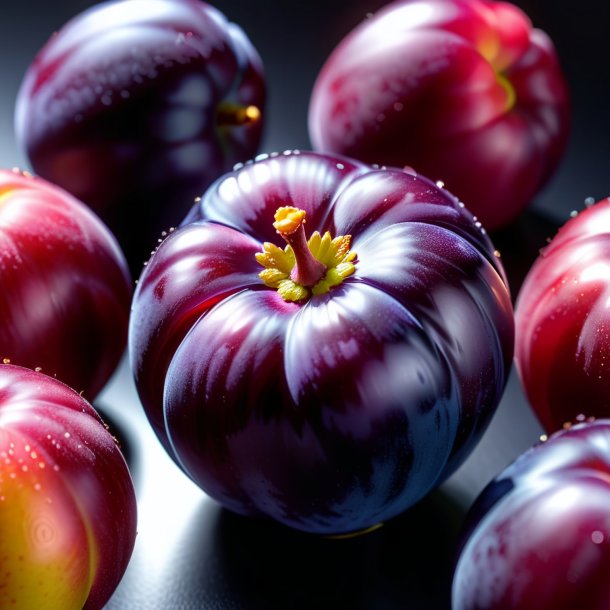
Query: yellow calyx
{"type": "Point", "coordinates": [281, 268]}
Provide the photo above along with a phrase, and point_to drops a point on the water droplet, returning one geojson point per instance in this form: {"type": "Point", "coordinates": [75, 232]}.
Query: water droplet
{"type": "Point", "coordinates": [589, 201]}
{"type": "Point", "coordinates": [597, 537]}
{"type": "Point", "coordinates": [497, 254]}
{"type": "Point", "coordinates": [573, 214]}
{"type": "Point", "coordinates": [543, 438]}
{"type": "Point", "coordinates": [67, 434]}
{"type": "Point", "coordinates": [340, 166]}
{"type": "Point", "coordinates": [440, 184]}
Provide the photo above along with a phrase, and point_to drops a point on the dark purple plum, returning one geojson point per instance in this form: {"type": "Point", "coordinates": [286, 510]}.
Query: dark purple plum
{"type": "Point", "coordinates": [539, 534]}
{"type": "Point", "coordinates": [333, 392]}
{"type": "Point", "coordinates": [136, 106]}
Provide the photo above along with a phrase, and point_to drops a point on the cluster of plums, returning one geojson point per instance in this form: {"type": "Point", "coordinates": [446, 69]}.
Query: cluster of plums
{"type": "Point", "coordinates": [322, 337]}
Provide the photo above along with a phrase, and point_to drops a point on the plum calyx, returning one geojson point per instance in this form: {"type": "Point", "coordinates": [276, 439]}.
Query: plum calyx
{"type": "Point", "coordinates": [304, 267]}
{"type": "Point", "coordinates": [511, 95]}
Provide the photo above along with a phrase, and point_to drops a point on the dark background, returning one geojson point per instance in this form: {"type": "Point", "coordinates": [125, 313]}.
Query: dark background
{"type": "Point", "coordinates": [189, 552]}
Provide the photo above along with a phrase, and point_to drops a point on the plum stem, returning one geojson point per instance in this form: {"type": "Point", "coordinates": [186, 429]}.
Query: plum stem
{"type": "Point", "coordinates": [234, 115]}
{"type": "Point", "coordinates": [304, 268]}
{"type": "Point", "coordinates": [290, 224]}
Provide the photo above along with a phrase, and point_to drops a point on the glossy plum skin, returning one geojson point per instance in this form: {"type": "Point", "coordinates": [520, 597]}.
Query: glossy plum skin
{"type": "Point", "coordinates": [65, 290]}
{"type": "Point", "coordinates": [563, 323]}
{"type": "Point", "coordinates": [464, 91]}
{"type": "Point", "coordinates": [129, 107]}
{"type": "Point", "coordinates": [539, 533]}
{"type": "Point", "coordinates": [338, 412]}
{"type": "Point", "coordinates": [67, 502]}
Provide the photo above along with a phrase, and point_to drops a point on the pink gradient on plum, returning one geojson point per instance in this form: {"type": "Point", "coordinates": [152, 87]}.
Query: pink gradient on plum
{"type": "Point", "coordinates": [65, 287]}
{"type": "Point", "coordinates": [466, 92]}
{"type": "Point", "coordinates": [80, 498]}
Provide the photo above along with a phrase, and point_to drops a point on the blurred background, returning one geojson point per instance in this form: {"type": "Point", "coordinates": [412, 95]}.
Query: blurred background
{"type": "Point", "coordinates": [192, 554]}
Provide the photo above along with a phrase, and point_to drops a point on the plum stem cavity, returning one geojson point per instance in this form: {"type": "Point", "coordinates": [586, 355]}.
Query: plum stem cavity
{"type": "Point", "coordinates": [304, 267]}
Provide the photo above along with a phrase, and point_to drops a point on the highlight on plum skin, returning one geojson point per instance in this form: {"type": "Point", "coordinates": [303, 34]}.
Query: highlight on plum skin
{"type": "Point", "coordinates": [136, 106]}
{"type": "Point", "coordinates": [65, 289]}
{"type": "Point", "coordinates": [464, 91]}
{"type": "Point", "coordinates": [562, 349]}
{"type": "Point", "coordinates": [67, 503]}
{"type": "Point", "coordinates": [538, 536]}
{"type": "Point", "coordinates": [321, 342]}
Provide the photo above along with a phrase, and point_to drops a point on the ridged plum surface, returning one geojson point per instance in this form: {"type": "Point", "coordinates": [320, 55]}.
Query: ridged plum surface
{"type": "Point", "coordinates": [337, 412]}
